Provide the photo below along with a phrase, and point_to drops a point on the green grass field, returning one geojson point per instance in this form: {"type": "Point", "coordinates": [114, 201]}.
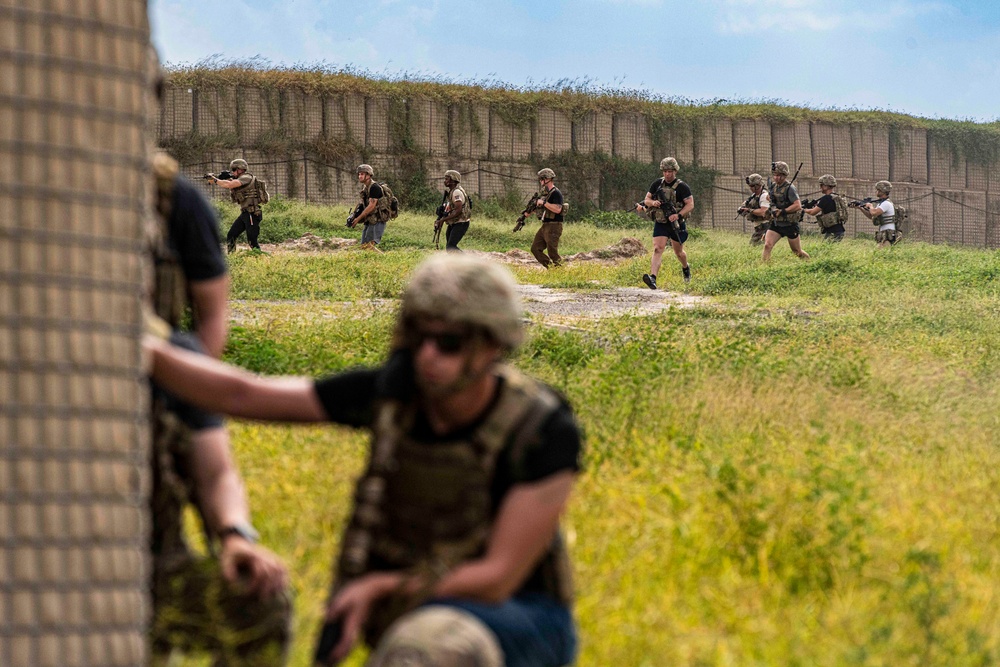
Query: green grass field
{"type": "Point", "coordinates": [803, 471]}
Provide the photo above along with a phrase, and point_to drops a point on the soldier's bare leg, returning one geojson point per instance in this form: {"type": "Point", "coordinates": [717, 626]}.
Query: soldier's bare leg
{"type": "Point", "coordinates": [770, 238]}
{"type": "Point", "coordinates": [659, 245]}
{"type": "Point", "coordinates": [796, 246]}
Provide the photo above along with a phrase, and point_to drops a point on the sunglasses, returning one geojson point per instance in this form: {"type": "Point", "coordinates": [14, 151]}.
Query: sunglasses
{"type": "Point", "coordinates": [448, 342]}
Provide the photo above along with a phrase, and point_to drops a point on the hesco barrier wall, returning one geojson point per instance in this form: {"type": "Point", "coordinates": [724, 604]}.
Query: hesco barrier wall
{"type": "Point", "coordinates": [73, 434]}
{"type": "Point", "coordinates": [307, 147]}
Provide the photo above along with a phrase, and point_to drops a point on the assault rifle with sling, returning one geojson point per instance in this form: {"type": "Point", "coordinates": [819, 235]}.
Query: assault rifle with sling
{"type": "Point", "coordinates": [529, 208]}
{"type": "Point", "coordinates": [223, 176]}
{"type": "Point", "coordinates": [666, 206]}
{"type": "Point", "coordinates": [354, 214]}
{"type": "Point", "coordinates": [859, 203]}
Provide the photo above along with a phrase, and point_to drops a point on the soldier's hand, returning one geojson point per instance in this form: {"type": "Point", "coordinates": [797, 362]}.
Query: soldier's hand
{"type": "Point", "coordinates": [353, 604]}
{"type": "Point", "coordinates": [540, 202]}
{"type": "Point", "coordinates": [256, 567]}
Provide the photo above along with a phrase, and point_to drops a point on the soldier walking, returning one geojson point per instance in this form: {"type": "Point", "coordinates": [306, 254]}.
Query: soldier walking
{"type": "Point", "coordinates": [755, 208]}
{"type": "Point", "coordinates": [670, 202]}
{"type": "Point", "coordinates": [373, 212]}
{"type": "Point", "coordinates": [882, 213]}
{"type": "Point", "coordinates": [457, 212]}
{"type": "Point", "coordinates": [243, 191]}
{"type": "Point", "coordinates": [830, 210]}
{"type": "Point", "coordinates": [550, 206]}
{"type": "Point", "coordinates": [785, 213]}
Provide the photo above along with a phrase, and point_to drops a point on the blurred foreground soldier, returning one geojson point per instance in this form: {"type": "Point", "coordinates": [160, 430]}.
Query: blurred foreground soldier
{"type": "Point", "coordinates": [785, 213]}
{"type": "Point", "coordinates": [755, 208]}
{"type": "Point", "coordinates": [830, 210]}
{"type": "Point", "coordinates": [233, 607]}
{"type": "Point", "coordinates": [457, 210]}
{"type": "Point", "coordinates": [452, 555]}
{"type": "Point", "coordinates": [882, 213]}
{"type": "Point", "coordinates": [670, 202]}
{"type": "Point", "coordinates": [550, 206]}
{"type": "Point", "coordinates": [369, 212]}
{"type": "Point", "coordinates": [243, 189]}
{"type": "Point", "coordinates": [190, 268]}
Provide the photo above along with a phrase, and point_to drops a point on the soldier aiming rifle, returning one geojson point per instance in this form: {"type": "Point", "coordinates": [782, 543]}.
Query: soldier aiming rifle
{"type": "Point", "coordinates": [529, 208]}
{"type": "Point", "coordinates": [755, 208]}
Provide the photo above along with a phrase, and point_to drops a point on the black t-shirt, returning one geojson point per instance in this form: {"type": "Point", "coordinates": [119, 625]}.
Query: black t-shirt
{"type": "Point", "coordinates": [350, 398]}
{"type": "Point", "coordinates": [555, 197]}
{"type": "Point", "coordinates": [194, 234]}
{"type": "Point", "coordinates": [827, 204]}
{"type": "Point", "coordinates": [683, 190]}
{"type": "Point", "coordinates": [194, 418]}
{"type": "Point", "coordinates": [374, 192]}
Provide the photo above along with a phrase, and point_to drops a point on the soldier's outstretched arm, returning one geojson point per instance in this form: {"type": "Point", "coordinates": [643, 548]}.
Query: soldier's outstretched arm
{"type": "Point", "coordinates": [210, 299]}
{"type": "Point", "coordinates": [219, 387]}
{"type": "Point", "coordinates": [524, 528]}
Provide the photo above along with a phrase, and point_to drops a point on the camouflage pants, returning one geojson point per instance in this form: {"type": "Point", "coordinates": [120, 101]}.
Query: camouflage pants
{"type": "Point", "coordinates": [758, 233]}
{"type": "Point", "coordinates": [890, 236]}
{"type": "Point", "coordinates": [197, 611]}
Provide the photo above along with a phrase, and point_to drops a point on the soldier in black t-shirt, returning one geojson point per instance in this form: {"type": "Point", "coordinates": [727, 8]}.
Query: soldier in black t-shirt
{"type": "Point", "coordinates": [550, 212]}
{"type": "Point", "coordinates": [826, 210]}
{"type": "Point", "coordinates": [456, 516]}
{"type": "Point", "coordinates": [669, 202]}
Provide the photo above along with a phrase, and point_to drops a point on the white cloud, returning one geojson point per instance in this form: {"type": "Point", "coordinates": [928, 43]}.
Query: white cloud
{"type": "Point", "coordinates": [757, 16]}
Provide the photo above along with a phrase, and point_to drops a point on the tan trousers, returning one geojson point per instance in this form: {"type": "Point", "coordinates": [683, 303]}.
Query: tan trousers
{"type": "Point", "coordinates": [547, 236]}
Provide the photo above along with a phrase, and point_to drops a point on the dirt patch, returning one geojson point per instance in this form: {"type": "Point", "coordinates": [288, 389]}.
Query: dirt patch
{"type": "Point", "coordinates": [565, 305]}
{"type": "Point", "coordinates": [309, 243]}
{"type": "Point", "coordinates": [627, 248]}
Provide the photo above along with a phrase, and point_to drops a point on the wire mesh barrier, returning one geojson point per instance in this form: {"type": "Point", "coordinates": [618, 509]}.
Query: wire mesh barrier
{"type": "Point", "coordinates": [307, 148]}
{"type": "Point", "coordinates": [73, 436]}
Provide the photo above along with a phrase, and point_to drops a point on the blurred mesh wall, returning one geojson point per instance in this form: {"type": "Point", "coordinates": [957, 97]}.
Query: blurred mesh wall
{"type": "Point", "coordinates": [73, 436]}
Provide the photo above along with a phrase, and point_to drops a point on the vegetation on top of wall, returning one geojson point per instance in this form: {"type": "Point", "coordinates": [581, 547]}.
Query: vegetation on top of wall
{"type": "Point", "coordinates": [518, 105]}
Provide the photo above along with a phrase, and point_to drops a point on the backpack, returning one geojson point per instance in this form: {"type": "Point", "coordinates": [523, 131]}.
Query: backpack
{"type": "Point", "coordinates": [388, 205]}
{"type": "Point", "coordinates": [260, 187]}
{"type": "Point", "coordinates": [901, 216]}
{"type": "Point", "coordinates": [842, 209]}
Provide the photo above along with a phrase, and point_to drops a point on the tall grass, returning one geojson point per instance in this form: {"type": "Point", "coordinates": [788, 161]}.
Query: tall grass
{"type": "Point", "coordinates": [800, 471]}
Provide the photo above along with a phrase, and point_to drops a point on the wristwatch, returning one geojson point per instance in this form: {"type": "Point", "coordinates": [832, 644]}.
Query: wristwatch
{"type": "Point", "coordinates": [244, 530]}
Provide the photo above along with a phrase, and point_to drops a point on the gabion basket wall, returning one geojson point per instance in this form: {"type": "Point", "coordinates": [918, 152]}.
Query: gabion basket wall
{"type": "Point", "coordinates": [73, 402]}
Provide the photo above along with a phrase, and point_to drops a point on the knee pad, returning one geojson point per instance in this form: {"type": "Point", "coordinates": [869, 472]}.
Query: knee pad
{"type": "Point", "coordinates": [438, 636]}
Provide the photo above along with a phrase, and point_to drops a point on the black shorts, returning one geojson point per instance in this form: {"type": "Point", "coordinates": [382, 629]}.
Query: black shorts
{"type": "Point", "coordinates": [667, 229]}
{"type": "Point", "coordinates": [788, 231]}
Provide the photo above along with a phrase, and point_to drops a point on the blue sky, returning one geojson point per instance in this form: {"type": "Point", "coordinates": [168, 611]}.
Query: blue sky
{"type": "Point", "coordinates": [933, 58]}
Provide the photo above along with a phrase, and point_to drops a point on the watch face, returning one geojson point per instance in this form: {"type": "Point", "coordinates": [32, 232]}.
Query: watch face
{"type": "Point", "coordinates": [245, 531]}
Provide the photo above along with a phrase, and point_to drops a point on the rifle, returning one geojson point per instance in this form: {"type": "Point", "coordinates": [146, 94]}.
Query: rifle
{"type": "Point", "coordinates": [666, 207]}
{"type": "Point", "coordinates": [771, 211]}
{"type": "Point", "coordinates": [529, 208]}
{"type": "Point", "coordinates": [223, 176]}
{"type": "Point", "coordinates": [354, 214]}
{"type": "Point", "coordinates": [858, 203]}
{"type": "Point", "coordinates": [439, 223]}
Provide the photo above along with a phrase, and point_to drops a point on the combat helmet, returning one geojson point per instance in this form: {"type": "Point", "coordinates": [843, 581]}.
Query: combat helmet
{"type": "Point", "coordinates": [453, 175]}
{"type": "Point", "coordinates": [884, 186]}
{"type": "Point", "coordinates": [546, 173]}
{"type": "Point", "coordinates": [365, 169]}
{"type": "Point", "coordinates": [239, 163]}
{"type": "Point", "coordinates": [779, 168]}
{"type": "Point", "coordinates": [828, 179]}
{"type": "Point", "coordinates": [669, 163]}
{"type": "Point", "coordinates": [460, 289]}
{"type": "Point", "coordinates": [755, 179]}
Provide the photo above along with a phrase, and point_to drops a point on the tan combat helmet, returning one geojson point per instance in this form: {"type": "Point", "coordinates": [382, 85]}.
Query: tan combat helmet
{"type": "Point", "coordinates": [464, 290]}
{"type": "Point", "coordinates": [669, 163]}
{"type": "Point", "coordinates": [780, 168]}
{"type": "Point", "coordinates": [453, 175]}
{"type": "Point", "coordinates": [828, 179]}
{"type": "Point", "coordinates": [440, 636]}
{"type": "Point", "coordinates": [365, 169]}
{"type": "Point", "coordinates": [546, 173]}
{"type": "Point", "coordinates": [239, 163]}
{"type": "Point", "coordinates": [755, 179]}
{"type": "Point", "coordinates": [883, 186]}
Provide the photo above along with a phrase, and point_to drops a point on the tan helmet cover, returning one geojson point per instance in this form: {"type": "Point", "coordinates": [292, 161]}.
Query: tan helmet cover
{"type": "Point", "coordinates": [366, 169]}
{"type": "Point", "coordinates": [465, 290]}
{"type": "Point", "coordinates": [884, 186]}
{"type": "Point", "coordinates": [546, 173]}
{"type": "Point", "coordinates": [453, 175]}
{"type": "Point", "coordinates": [438, 636]}
{"type": "Point", "coordinates": [828, 179]}
{"type": "Point", "coordinates": [780, 168]}
{"type": "Point", "coordinates": [239, 163]}
{"type": "Point", "coordinates": [755, 179]}
{"type": "Point", "coordinates": [669, 163]}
